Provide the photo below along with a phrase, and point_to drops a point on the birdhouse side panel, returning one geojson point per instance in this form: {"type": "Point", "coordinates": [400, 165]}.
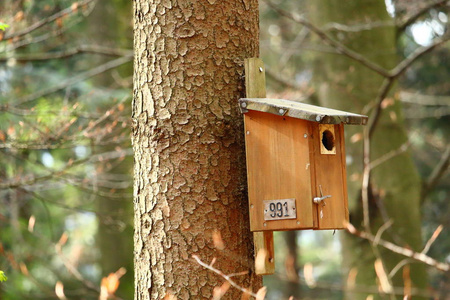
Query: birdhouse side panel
{"type": "Point", "coordinates": [278, 172]}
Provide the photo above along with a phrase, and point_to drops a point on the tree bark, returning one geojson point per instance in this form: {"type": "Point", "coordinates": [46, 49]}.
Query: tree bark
{"type": "Point", "coordinates": [344, 84]}
{"type": "Point", "coordinates": [190, 181]}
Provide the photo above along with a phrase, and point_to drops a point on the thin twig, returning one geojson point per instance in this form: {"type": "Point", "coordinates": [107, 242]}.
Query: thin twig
{"type": "Point", "coordinates": [374, 118]}
{"type": "Point", "coordinates": [280, 79]}
{"type": "Point", "coordinates": [437, 173]}
{"type": "Point", "coordinates": [73, 270]}
{"type": "Point", "coordinates": [45, 21]}
{"type": "Point", "coordinates": [358, 27]}
{"type": "Point", "coordinates": [422, 257]}
{"type": "Point", "coordinates": [91, 49]}
{"type": "Point", "coordinates": [398, 266]}
{"type": "Point", "coordinates": [433, 237]}
{"type": "Point", "coordinates": [287, 54]}
{"type": "Point", "coordinates": [226, 277]}
{"type": "Point", "coordinates": [425, 100]}
{"type": "Point", "coordinates": [411, 19]}
{"type": "Point", "coordinates": [75, 79]}
{"type": "Point", "coordinates": [391, 154]}
{"type": "Point", "coordinates": [341, 48]}
{"type": "Point", "coordinates": [70, 165]}
{"type": "Point", "coordinates": [360, 289]}
{"type": "Point", "coordinates": [381, 230]}
{"type": "Point", "coordinates": [419, 52]}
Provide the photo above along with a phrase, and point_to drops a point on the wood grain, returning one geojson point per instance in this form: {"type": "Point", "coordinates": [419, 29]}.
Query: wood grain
{"type": "Point", "coordinates": [255, 86]}
{"type": "Point", "coordinates": [330, 175]}
{"type": "Point", "coordinates": [278, 167]}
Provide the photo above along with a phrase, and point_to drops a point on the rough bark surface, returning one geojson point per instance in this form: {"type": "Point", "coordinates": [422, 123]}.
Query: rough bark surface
{"type": "Point", "coordinates": [188, 140]}
{"type": "Point", "coordinates": [344, 84]}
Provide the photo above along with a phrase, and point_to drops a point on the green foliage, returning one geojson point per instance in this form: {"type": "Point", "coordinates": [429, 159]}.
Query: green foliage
{"type": "Point", "coordinates": [3, 26]}
{"type": "Point", "coordinates": [3, 277]}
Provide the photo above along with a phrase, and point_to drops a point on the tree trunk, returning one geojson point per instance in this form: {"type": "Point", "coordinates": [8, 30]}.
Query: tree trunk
{"type": "Point", "coordinates": [190, 181]}
{"type": "Point", "coordinates": [344, 84]}
{"type": "Point", "coordinates": [291, 265]}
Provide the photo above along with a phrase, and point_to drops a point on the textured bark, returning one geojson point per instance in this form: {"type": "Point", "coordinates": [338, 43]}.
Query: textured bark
{"type": "Point", "coordinates": [188, 140]}
{"type": "Point", "coordinates": [344, 84]}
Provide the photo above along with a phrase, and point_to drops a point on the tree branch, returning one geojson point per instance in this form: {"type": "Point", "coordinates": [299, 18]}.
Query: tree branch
{"type": "Point", "coordinates": [92, 49]}
{"type": "Point", "coordinates": [341, 48]}
{"type": "Point", "coordinates": [411, 19]}
{"type": "Point", "coordinates": [70, 165]}
{"type": "Point", "coordinates": [80, 77]}
{"type": "Point", "coordinates": [391, 154]}
{"type": "Point", "coordinates": [357, 27]}
{"type": "Point", "coordinates": [425, 100]}
{"type": "Point", "coordinates": [47, 20]}
{"type": "Point", "coordinates": [226, 277]}
{"type": "Point", "coordinates": [437, 173]}
{"type": "Point", "coordinates": [384, 91]}
{"type": "Point", "coordinates": [402, 66]}
{"type": "Point", "coordinates": [284, 81]}
{"type": "Point", "coordinates": [422, 257]}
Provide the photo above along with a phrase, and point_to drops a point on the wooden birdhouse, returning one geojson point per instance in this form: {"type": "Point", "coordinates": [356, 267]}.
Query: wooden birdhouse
{"type": "Point", "coordinates": [295, 164]}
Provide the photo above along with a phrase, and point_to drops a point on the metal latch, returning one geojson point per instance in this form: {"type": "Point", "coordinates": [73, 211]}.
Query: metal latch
{"type": "Point", "coordinates": [318, 200]}
{"type": "Point", "coordinates": [321, 200]}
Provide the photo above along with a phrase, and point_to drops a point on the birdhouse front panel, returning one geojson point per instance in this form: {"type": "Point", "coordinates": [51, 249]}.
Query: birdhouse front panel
{"type": "Point", "coordinates": [278, 172]}
{"type": "Point", "coordinates": [329, 184]}
{"type": "Point", "coordinates": [295, 164]}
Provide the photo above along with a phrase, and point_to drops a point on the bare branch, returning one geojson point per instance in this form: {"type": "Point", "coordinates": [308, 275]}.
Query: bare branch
{"type": "Point", "coordinates": [30, 39]}
{"type": "Point", "coordinates": [45, 21]}
{"type": "Point", "coordinates": [384, 91]}
{"type": "Point", "coordinates": [411, 19]}
{"type": "Point", "coordinates": [422, 257]}
{"type": "Point", "coordinates": [62, 144]}
{"type": "Point", "coordinates": [73, 270]}
{"type": "Point", "coordinates": [419, 52]}
{"type": "Point", "coordinates": [363, 289]}
{"type": "Point", "coordinates": [70, 165]}
{"type": "Point", "coordinates": [401, 264]}
{"type": "Point", "coordinates": [226, 277]}
{"type": "Point", "coordinates": [284, 81]}
{"type": "Point", "coordinates": [381, 230]}
{"type": "Point", "coordinates": [439, 171]}
{"type": "Point", "coordinates": [403, 148]}
{"type": "Point", "coordinates": [80, 77]}
{"type": "Point", "coordinates": [357, 27]}
{"type": "Point", "coordinates": [341, 48]}
{"type": "Point", "coordinates": [433, 237]}
{"type": "Point", "coordinates": [426, 100]}
{"type": "Point", "coordinates": [434, 113]}
{"type": "Point", "coordinates": [91, 49]}
{"type": "Point", "coordinates": [296, 43]}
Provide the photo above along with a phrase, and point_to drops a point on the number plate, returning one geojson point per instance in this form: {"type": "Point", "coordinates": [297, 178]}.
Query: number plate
{"type": "Point", "coordinates": [279, 209]}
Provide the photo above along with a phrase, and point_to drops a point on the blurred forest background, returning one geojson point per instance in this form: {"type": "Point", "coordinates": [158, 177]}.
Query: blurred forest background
{"type": "Point", "coordinates": [66, 228]}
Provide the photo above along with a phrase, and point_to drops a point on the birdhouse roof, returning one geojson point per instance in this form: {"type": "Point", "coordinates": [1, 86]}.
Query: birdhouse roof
{"type": "Point", "coordinates": [300, 110]}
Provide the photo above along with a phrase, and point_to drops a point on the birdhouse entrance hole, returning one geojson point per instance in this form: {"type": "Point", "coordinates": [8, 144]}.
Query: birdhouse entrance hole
{"type": "Point", "coordinates": [327, 138]}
